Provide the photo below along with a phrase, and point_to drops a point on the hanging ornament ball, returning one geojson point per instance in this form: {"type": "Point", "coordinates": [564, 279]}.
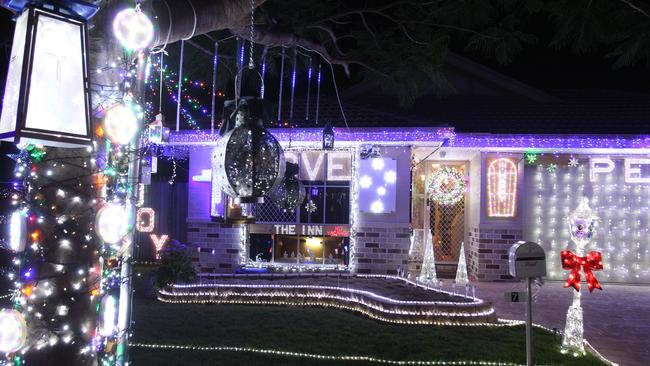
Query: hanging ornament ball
{"type": "Point", "coordinates": [290, 194]}
{"type": "Point", "coordinates": [133, 29]}
{"type": "Point", "coordinates": [248, 161]}
{"type": "Point", "coordinates": [13, 331]}
{"type": "Point", "coordinates": [112, 223]}
{"type": "Point", "coordinates": [120, 124]}
{"type": "Point", "coordinates": [447, 186]}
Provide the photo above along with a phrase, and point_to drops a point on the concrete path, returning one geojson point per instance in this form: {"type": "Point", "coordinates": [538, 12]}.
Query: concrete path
{"type": "Point", "coordinates": [617, 319]}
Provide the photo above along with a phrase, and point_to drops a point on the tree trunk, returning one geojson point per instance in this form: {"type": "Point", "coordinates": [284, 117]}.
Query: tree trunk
{"type": "Point", "coordinates": [182, 19]}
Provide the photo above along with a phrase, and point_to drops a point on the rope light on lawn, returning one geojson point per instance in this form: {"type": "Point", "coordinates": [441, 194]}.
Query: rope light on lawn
{"type": "Point", "coordinates": [355, 307]}
{"type": "Point", "coordinates": [369, 359]}
{"type": "Point", "coordinates": [316, 356]}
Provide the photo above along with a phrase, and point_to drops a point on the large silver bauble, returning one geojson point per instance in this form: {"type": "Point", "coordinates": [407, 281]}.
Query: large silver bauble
{"type": "Point", "coordinates": [248, 162]}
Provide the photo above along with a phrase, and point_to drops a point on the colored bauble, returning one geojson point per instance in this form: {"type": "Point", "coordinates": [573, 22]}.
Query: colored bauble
{"type": "Point", "coordinates": [112, 223]}
{"type": "Point", "coordinates": [120, 123]}
{"type": "Point", "coordinates": [133, 29]}
{"type": "Point", "coordinates": [13, 330]}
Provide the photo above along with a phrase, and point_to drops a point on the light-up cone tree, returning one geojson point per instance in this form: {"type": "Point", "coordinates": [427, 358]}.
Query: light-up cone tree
{"type": "Point", "coordinates": [582, 227]}
{"type": "Point", "coordinates": [461, 272]}
{"type": "Point", "coordinates": [428, 270]}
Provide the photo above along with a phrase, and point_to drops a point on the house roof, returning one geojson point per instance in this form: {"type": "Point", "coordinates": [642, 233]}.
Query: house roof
{"type": "Point", "coordinates": [573, 112]}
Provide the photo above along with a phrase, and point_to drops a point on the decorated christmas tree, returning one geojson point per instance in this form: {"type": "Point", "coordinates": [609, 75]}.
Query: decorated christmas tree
{"type": "Point", "coordinates": [461, 271]}
{"type": "Point", "coordinates": [428, 271]}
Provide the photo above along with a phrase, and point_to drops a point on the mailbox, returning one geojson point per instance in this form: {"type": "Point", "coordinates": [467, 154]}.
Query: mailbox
{"type": "Point", "coordinates": [527, 259]}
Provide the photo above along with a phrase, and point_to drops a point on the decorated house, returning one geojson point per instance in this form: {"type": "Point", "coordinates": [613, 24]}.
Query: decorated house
{"type": "Point", "coordinates": [372, 196]}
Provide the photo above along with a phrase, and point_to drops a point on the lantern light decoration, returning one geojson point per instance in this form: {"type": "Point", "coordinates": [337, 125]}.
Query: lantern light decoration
{"type": "Point", "coordinates": [248, 161]}
{"type": "Point", "coordinates": [120, 124]}
{"type": "Point", "coordinates": [112, 223]}
{"type": "Point", "coordinates": [49, 53]}
{"type": "Point", "coordinates": [328, 137]}
{"type": "Point", "coordinates": [582, 227]}
{"type": "Point", "coordinates": [447, 186]}
{"type": "Point", "coordinates": [17, 231]}
{"type": "Point", "coordinates": [13, 331]}
{"type": "Point", "coordinates": [133, 29]}
{"type": "Point", "coordinates": [290, 194]}
{"type": "Point", "coordinates": [502, 188]}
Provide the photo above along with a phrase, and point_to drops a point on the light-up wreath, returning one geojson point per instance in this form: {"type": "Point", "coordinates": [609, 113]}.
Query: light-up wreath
{"type": "Point", "coordinates": [447, 186]}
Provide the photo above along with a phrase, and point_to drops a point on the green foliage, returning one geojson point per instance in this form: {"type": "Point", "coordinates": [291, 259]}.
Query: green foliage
{"type": "Point", "coordinates": [175, 265]}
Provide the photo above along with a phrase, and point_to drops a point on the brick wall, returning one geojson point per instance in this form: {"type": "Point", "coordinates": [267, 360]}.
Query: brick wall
{"type": "Point", "coordinates": [382, 250]}
{"type": "Point", "coordinates": [217, 247]}
{"type": "Point", "coordinates": [487, 253]}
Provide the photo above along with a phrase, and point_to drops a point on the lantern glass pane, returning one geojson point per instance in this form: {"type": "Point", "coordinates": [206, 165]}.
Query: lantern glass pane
{"type": "Point", "coordinates": [56, 97]}
{"type": "Point", "coordinates": [12, 88]}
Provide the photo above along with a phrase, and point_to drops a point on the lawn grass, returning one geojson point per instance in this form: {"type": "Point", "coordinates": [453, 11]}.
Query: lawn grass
{"type": "Point", "coordinates": [322, 331]}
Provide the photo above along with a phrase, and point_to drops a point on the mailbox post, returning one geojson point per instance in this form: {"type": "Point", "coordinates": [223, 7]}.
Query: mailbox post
{"type": "Point", "coordinates": [528, 260]}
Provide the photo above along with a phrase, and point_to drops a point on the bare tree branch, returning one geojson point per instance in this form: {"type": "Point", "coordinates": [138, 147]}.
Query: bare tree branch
{"type": "Point", "coordinates": [332, 36]}
{"type": "Point", "coordinates": [272, 38]}
{"type": "Point", "coordinates": [637, 8]}
{"type": "Point", "coordinates": [367, 26]}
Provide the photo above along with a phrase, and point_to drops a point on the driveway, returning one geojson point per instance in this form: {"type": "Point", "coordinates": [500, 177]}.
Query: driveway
{"type": "Point", "coordinates": [616, 320]}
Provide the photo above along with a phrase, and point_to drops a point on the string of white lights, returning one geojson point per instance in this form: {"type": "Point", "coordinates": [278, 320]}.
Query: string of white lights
{"type": "Point", "coordinates": [395, 317]}
{"type": "Point", "coordinates": [598, 354]}
{"type": "Point", "coordinates": [316, 356]}
{"type": "Point", "coordinates": [373, 295]}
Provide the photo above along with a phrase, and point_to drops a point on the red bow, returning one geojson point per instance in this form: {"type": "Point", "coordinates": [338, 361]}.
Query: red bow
{"type": "Point", "coordinates": [592, 262]}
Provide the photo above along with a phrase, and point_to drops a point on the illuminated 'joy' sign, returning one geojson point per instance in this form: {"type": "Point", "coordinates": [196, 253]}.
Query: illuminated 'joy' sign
{"type": "Point", "coordinates": [502, 188]}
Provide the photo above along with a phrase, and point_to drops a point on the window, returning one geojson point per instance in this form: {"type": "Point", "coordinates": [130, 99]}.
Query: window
{"type": "Point", "coordinates": [314, 250]}
{"type": "Point", "coordinates": [327, 187]}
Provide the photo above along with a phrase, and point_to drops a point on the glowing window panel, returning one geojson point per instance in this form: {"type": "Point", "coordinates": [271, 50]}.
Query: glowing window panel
{"type": "Point", "coordinates": [502, 188]}
{"type": "Point", "coordinates": [377, 189]}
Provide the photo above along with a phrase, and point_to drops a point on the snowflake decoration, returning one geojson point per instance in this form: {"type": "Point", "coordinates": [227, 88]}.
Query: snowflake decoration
{"type": "Point", "coordinates": [530, 158]}
{"type": "Point", "coordinates": [551, 168]}
{"type": "Point", "coordinates": [311, 207]}
{"type": "Point", "coordinates": [573, 162]}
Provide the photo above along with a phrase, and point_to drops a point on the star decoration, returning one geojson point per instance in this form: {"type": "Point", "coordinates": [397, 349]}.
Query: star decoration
{"type": "Point", "coordinates": [551, 168]}
{"type": "Point", "coordinates": [14, 157]}
{"type": "Point", "coordinates": [573, 162]}
{"type": "Point", "coordinates": [531, 158]}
